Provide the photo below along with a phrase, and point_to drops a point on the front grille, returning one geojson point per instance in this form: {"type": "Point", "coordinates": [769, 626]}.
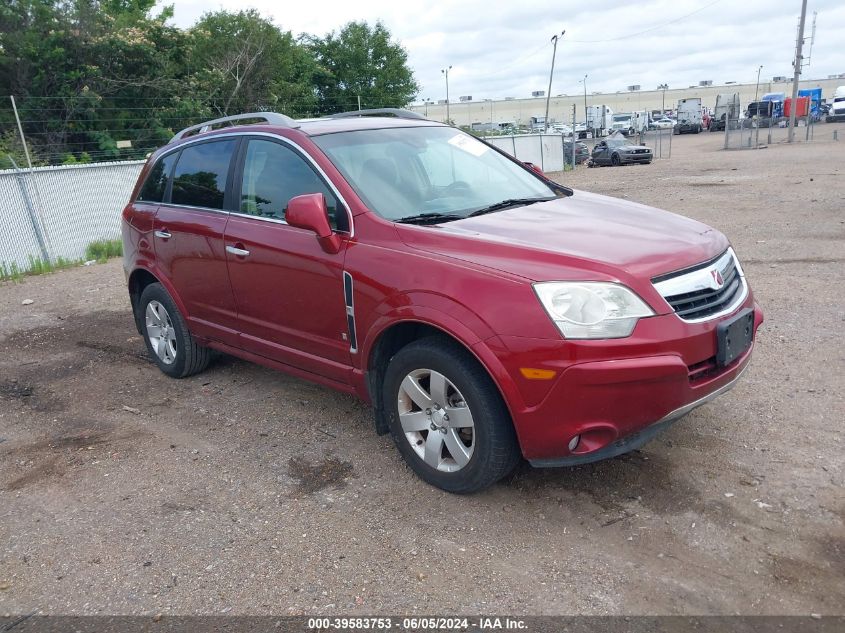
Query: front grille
{"type": "Point", "coordinates": [696, 294]}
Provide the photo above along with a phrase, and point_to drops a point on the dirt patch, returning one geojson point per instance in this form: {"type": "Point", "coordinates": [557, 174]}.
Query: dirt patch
{"type": "Point", "coordinates": [14, 391]}
{"type": "Point", "coordinates": [316, 476]}
{"type": "Point", "coordinates": [50, 458]}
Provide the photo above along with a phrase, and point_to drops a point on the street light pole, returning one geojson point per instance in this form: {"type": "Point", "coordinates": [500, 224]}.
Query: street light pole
{"type": "Point", "coordinates": [551, 73]}
{"type": "Point", "coordinates": [664, 88]}
{"type": "Point", "coordinates": [585, 106]}
{"type": "Point", "coordinates": [445, 71]}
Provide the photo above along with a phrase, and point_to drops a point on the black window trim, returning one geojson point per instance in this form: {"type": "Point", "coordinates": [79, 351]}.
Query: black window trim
{"type": "Point", "coordinates": [165, 195]}
{"type": "Point", "coordinates": [228, 196]}
{"type": "Point", "coordinates": [296, 149]}
{"type": "Point", "coordinates": [239, 134]}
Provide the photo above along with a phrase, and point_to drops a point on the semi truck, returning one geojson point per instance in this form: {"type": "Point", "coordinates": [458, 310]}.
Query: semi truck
{"type": "Point", "coordinates": [727, 109]}
{"type": "Point", "coordinates": [837, 106]}
{"type": "Point", "coordinates": [689, 116]}
{"type": "Point", "coordinates": [599, 119]}
{"type": "Point", "coordinates": [622, 122]}
{"type": "Point", "coordinates": [776, 99]}
{"type": "Point", "coordinates": [815, 95]}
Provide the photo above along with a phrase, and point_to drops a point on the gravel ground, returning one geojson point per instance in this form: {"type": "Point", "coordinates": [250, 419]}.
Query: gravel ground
{"type": "Point", "coordinates": [246, 491]}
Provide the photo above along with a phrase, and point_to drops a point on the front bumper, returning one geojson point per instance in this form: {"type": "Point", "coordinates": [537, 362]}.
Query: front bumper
{"type": "Point", "coordinates": [628, 159]}
{"type": "Point", "coordinates": [616, 394]}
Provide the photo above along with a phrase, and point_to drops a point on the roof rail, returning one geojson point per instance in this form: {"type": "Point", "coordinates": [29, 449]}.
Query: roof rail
{"type": "Point", "coordinates": [399, 113]}
{"type": "Point", "coordinates": [272, 118]}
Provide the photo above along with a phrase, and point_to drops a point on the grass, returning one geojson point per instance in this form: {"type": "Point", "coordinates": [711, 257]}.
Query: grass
{"type": "Point", "coordinates": [9, 272]}
{"type": "Point", "coordinates": [101, 251]}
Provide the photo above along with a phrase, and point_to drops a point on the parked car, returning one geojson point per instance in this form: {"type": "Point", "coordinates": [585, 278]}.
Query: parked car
{"type": "Point", "coordinates": [618, 150]}
{"type": "Point", "coordinates": [486, 312]}
{"type": "Point", "coordinates": [662, 124]}
{"type": "Point", "coordinates": [582, 152]}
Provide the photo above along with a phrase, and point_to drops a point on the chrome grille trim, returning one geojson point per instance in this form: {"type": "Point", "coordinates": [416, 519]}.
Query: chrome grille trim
{"type": "Point", "coordinates": [693, 294]}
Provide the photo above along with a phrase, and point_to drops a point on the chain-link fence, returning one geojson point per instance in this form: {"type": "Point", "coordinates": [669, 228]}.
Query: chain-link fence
{"type": "Point", "coordinates": [550, 152]}
{"type": "Point", "coordinates": [660, 142]}
{"type": "Point", "coordinates": [52, 212]}
{"type": "Point", "coordinates": [755, 132]}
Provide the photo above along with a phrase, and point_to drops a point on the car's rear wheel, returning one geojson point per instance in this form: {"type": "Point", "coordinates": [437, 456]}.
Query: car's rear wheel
{"type": "Point", "coordinates": [615, 160]}
{"type": "Point", "coordinates": [169, 342]}
{"type": "Point", "coordinates": [447, 418]}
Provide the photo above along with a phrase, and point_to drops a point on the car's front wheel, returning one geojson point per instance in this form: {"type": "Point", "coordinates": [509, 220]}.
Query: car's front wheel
{"type": "Point", "coordinates": [169, 342]}
{"type": "Point", "coordinates": [615, 160]}
{"type": "Point", "coordinates": [447, 418]}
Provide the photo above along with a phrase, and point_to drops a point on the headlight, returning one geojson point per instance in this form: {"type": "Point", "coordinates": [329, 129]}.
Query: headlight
{"type": "Point", "coordinates": [591, 309]}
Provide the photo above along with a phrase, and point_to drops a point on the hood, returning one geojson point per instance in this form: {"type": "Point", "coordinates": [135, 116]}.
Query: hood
{"type": "Point", "coordinates": [584, 236]}
{"type": "Point", "coordinates": [632, 146]}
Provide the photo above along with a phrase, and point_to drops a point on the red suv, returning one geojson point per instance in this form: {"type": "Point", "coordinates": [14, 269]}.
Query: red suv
{"type": "Point", "coordinates": [486, 312]}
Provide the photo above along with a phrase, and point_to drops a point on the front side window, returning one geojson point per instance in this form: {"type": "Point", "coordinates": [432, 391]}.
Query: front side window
{"type": "Point", "coordinates": [402, 172]}
{"type": "Point", "coordinates": [156, 183]}
{"type": "Point", "coordinates": [273, 174]}
{"type": "Point", "coordinates": [201, 172]}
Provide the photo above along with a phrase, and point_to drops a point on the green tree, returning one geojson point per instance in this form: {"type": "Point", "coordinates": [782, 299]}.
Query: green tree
{"type": "Point", "coordinates": [361, 61]}
{"type": "Point", "coordinates": [242, 62]}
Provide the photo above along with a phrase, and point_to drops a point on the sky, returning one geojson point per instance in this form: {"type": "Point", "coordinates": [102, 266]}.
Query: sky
{"type": "Point", "coordinates": [503, 49]}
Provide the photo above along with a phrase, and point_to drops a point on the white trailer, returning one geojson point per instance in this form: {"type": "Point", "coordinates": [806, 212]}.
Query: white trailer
{"type": "Point", "coordinates": [640, 120]}
{"type": "Point", "coordinates": [690, 115]}
{"type": "Point", "coordinates": [599, 119]}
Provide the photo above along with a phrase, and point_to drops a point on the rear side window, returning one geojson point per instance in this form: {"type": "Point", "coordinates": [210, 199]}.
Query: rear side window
{"type": "Point", "coordinates": [200, 176]}
{"type": "Point", "coordinates": [273, 174]}
{"type": "Point", "coordinates": [156, 183]}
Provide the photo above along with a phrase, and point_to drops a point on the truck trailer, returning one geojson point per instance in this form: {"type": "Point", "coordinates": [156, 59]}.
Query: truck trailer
{"type": "Point", "coordinates": [727, 109]}
{"type": "Point", "coordinates": [689, 116]}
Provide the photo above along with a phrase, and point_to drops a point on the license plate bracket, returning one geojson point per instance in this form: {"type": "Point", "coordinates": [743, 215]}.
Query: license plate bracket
{"type": "Point", "coordinates": [734, 336]}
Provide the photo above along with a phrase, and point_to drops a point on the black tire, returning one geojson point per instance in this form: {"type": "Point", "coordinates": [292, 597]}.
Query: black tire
{"type": "Point", "coordinates": [615, 160]}
{"type": "Point", "coordinates": [190, 358]}
{"type": "Point", "coordinates": [495, 451]}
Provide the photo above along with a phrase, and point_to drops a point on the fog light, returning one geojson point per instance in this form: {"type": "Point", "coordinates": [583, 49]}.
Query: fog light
{"type": "Point", "coordinates": [573, 443]}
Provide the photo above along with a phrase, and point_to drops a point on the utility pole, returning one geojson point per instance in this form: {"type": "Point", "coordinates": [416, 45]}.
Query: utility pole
{"type": "Point", "coordinates": [799, 43]}
{"type": "Point", "coordinates": [549, 93]}
{"type": "Point", "coordinates": [757, 87]}
{"type": "Point", "coordinates": [445, 71]}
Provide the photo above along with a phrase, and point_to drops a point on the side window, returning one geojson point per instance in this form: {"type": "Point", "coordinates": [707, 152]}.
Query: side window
{"type": "Point", "coordinates": [273, 174]}
{"type": "Point", "coordinates": [156, 183]}
{"type": "Point", "coordinates": [200, 176]}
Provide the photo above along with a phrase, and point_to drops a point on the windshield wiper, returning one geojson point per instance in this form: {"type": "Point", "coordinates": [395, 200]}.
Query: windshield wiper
{"type": "Point", "coordinates": [432, 217]}
{"type": "Point", "coordinates": [506, 204]}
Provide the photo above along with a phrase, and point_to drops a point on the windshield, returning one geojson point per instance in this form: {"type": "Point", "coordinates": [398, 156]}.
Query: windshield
{"type": "Point", "coordinates": [618, 142]}
{"type": "Point", "coordinates": [402, 172]}
{"type": "Point", "coordinates": [621, 118]}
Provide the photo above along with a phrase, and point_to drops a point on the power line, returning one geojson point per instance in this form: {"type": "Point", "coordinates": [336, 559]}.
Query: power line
{"type": "Point", "coordinates": [650, 29]}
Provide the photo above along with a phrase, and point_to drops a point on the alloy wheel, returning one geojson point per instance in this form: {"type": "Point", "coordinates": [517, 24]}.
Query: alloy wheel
{"type": "Point", "coordinates": [161, 332]}
{"type": "Point", "coordinates": [436, 420]}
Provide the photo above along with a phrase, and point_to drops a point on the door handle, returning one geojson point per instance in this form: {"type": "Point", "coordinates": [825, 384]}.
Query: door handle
{"type": "Point", "coordinates": [234, 250]}
{"type": "Point", "coordinates": [163, 234]}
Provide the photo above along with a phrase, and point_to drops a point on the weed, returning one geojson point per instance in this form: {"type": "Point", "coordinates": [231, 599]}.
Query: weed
{"type": "Point", "coordinates": [9, 272]}
{"type": "Point", "coordinates": [101, 250]}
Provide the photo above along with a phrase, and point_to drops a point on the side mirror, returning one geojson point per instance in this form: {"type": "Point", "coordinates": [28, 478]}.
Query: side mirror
{"type": "Point", "coordinates": [309, 211]}
{"type": "Point", "coordinates": [535, 169]}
